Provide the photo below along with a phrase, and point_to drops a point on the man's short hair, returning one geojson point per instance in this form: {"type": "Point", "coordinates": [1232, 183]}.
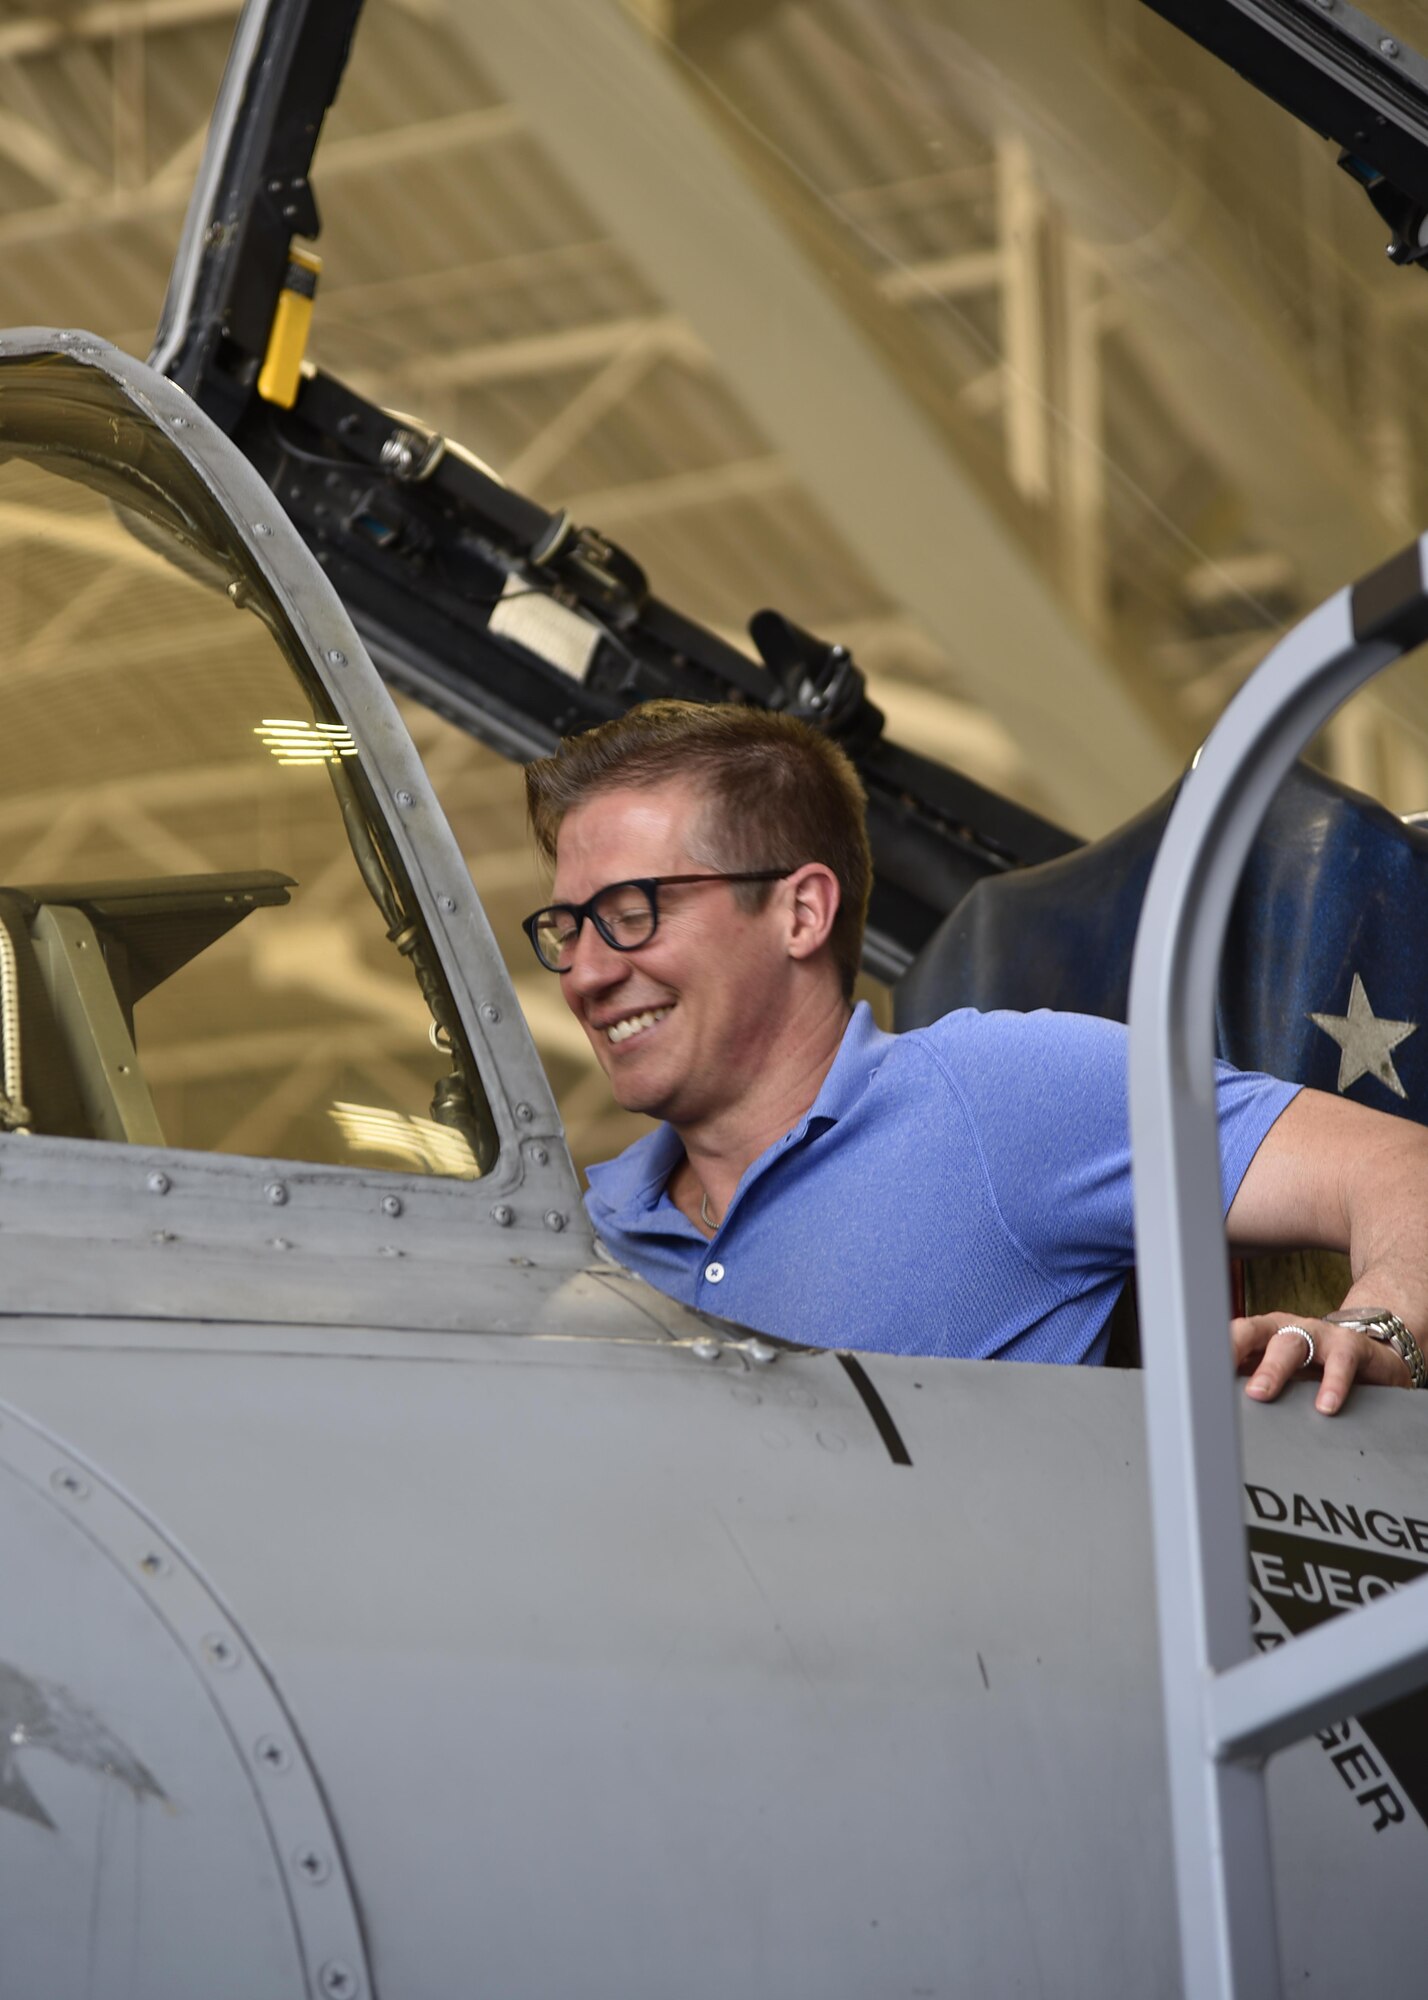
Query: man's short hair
{"type": "Point", "coordinates": [778, 792]}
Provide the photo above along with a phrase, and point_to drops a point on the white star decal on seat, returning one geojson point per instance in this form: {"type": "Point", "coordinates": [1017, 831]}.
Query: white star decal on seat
{"type": "Point", "coordinates": [1365, 1042]}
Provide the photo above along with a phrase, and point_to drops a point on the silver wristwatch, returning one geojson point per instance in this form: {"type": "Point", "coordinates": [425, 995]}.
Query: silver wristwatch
{"type": "Point", "coordinates": [1381, 1324]}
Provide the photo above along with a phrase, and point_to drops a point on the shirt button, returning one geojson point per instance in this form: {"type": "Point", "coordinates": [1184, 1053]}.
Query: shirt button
{"type": "Point", "coordinates": [714, 1272]}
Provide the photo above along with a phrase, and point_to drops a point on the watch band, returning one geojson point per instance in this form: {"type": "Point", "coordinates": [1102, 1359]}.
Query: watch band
{"type": "Point", "coordinates": [1382, 1325]}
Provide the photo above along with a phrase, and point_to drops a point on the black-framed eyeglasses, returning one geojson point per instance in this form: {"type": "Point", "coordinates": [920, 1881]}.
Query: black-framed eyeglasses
{"type": "Point", "coordinates": [626, 914]}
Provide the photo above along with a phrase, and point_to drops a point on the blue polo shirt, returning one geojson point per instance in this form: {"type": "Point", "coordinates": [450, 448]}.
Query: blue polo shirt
{"type": "Point", "coordinates": [962, 1189]}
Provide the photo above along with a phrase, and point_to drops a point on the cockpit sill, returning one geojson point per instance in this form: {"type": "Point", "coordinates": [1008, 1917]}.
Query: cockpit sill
{"type": "Point", "coordinates": [87, 1226]}
{"type": "Point", "coordinates": [95, 1240]}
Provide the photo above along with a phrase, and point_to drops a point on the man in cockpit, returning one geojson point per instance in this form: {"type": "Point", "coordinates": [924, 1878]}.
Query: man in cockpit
{"type": "Point", "coordinates": [962, 1189]}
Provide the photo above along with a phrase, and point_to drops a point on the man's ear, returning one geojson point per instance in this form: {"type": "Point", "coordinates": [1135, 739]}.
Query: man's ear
{"type": "Point", "coordinates": [813, 906]}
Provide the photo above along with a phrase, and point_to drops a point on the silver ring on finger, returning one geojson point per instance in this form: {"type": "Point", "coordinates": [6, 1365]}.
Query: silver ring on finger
{"type": "Point", "coordinates": [1304, 1334]}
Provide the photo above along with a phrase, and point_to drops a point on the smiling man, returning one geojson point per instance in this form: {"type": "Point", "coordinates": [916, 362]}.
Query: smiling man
{"type": "Point", "coordinates": [963, 1189]}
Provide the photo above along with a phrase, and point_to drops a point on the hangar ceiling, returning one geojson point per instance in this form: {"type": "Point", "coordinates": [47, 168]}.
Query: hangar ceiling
{"type": "Point", "coordinates": [1021, 348]}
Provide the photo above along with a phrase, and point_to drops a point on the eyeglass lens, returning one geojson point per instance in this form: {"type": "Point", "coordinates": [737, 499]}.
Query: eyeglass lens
{"type": "Point", "coordinates": [624, 915]}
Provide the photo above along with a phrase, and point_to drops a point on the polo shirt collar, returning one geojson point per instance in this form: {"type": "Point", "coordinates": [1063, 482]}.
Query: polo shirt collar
{"type": "Point", "coordinates": [635, 1180]}
{"type": "Point", "coordinates": [859, 1053]}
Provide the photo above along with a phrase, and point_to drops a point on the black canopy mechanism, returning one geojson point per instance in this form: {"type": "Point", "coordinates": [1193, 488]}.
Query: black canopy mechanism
{"type": "Point", "coordinates": [1344, 76]}
{"type": "Point", "coordinates": [519, 624]}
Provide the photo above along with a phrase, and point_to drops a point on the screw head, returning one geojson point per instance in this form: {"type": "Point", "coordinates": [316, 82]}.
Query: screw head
{"type": "Point", "coordinates": [503, 1215]}
{"type": "Point", "coordinates": [540, 1156]}
{"type": "Point", "coordinates": [554, 1220]}
{"type": "Point", "coordinates": [391, 1204]}
{"type": "Point", "coordinates": [276, 1192]}
{"type": "Point", "coordinates": [1388, 46]}
{"type": "Point", "coordinates": [157, 1183]}
{"type": "Point", "coordinates": [65, 1479]}
{"type": "Point", "coordinates": [525, 1113]}
{"type": "Point", "coordinates": [336, 657]}
{"type": "Point", "coordinates": [273, 1754]}
{"type": "Point", "coordinates": [446, 902]}
{"type": "Point", "coordinates": [311, 1863]}
{"type": "Point", "coordinates": [705, 1348]}
{"type": "Point", "coordinates": [153, 1564]}
{"type": "Point", "coordinates": [404, 799]}
{"type": "Point", "coordinates": [262, 528]}
{"type": "Point", "coordinates": [279, 1243]}
{"type": "Point", "coordinates": [490, 1012]}
{"type": "Point", "coordinates": [220, 1651]}
{"type": "Point", "coordinates": [338, 1981]}
{"type": "Point", "coordinates": [760, 1351]}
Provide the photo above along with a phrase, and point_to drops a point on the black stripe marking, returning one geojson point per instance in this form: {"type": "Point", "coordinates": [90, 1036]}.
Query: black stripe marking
{"type": "Point", "coordinates": [877, 1409]}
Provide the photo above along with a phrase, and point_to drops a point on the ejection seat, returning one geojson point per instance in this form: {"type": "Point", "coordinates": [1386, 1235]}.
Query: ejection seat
{"type": "Point", "coordinates": [1329, 926]}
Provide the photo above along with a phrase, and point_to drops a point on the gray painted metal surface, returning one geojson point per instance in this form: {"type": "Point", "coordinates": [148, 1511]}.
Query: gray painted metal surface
{"type": "Point", "coordinates": [222, 1807]}
{"type": "Point", "coordinates": [1226, 1706]}
{"type": "Point", "coordinates": [629, 1674]}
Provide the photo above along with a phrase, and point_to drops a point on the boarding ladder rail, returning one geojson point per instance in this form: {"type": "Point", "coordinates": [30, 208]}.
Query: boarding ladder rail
{"type": "Point", "coordinates": [1227, 1706]}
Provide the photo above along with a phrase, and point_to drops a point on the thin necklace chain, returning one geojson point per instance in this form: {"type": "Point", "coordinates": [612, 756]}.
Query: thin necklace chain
{"type": "Point", "coordinates": [704, 1216]}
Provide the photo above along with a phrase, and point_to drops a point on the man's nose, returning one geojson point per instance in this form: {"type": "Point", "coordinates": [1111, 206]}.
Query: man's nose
{"type": "Point", "coordinates": [594, 966]}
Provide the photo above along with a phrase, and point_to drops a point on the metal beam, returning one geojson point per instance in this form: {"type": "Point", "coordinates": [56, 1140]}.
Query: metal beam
{"type": "Point", "coordinates": [1081, 438]}
{"type": "Point", "coordinates": [520, 269]}
{"type": "Point", "coordinates": [615, 118]}
{"type": "Point", "coordinates": [736, 479]}
{"type": "Point", "coordinates": [1021, 219]}
{"type": "Point", "coordinates": [167, 192]}
{"type": "Point", "coordinates": [38, 34]}
{"type": "Point", "coordinates": [970, 271]}
{"type": "Point", "coordinates": [595, 401]}
{"type": "Point", "coordinates": [1201, 322]}
{"type": "Point", "coordinates": [342, 306]}
{"type": "Point", "coordinates": [44, 160]}
{"type": "Point", "coordinates": [589, 345]}
{"type": "Point", "coordinates": [128, 90]}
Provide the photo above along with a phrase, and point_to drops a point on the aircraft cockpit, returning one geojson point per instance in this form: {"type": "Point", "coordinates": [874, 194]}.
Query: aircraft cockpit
{"type": "Point", "coordinates": [399, 1597]}
{"type": "Point", "coordinates": [193, 867]}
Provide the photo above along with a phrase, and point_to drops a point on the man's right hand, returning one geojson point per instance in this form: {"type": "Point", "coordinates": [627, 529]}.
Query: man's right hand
{"type": "Point", "coordinates": [1342, 1356]}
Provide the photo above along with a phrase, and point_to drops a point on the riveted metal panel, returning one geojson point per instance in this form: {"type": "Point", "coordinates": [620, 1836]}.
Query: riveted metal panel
{"type": "Point", "coordinates": [162, 1832]}
{"type": "Point", "coordinates": [629, 1672]}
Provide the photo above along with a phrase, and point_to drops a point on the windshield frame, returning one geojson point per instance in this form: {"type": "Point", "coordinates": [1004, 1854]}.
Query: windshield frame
{"type": "Point", "coordinates": [71, 388]}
